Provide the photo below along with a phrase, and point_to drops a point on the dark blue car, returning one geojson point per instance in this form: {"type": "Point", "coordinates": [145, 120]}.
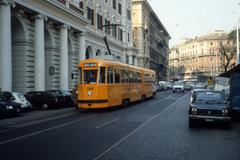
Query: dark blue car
{"type": "Point", "coordinates": [209, 106]}
{"type": "Point", "coordinates": [7, 107]}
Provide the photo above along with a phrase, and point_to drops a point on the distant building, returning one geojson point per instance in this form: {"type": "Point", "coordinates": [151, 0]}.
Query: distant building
{"type": "Point", "coordinates": [151, 38]}
{"type": "Point", "coordinates": [198, 58]}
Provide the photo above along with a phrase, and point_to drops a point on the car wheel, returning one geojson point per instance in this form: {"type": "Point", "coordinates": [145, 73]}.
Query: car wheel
{"type": "Point", "coordinates": [143, 98]}
{"type": "Point", "coordinates": [125, 103]}
{"type": "Point", "coordinates": [45, 106]}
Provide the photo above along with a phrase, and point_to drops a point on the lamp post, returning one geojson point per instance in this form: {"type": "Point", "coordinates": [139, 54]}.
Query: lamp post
{"type": "Point", "coordinates": [237, 42]}
{"type": "Point", "coordinates": [237, 35]}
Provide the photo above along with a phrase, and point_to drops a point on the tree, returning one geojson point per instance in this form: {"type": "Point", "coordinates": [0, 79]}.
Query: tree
{"type": "Point", "coordinates": [228, 49]}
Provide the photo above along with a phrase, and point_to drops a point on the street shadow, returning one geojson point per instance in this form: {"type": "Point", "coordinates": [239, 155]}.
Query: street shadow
{"type": "Point", "coordinates": [211, 126]}
{"type": "Point", "coordinates": [112, 109]}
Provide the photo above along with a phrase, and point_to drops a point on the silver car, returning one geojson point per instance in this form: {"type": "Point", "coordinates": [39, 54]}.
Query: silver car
{"type": "Point", "coordinates": [20, 98]}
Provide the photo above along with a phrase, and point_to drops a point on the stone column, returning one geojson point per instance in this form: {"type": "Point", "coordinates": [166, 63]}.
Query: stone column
{"type": "Point", "coordinates": [39, 70]}
{"type": "Point", "coordinates": [64, 57]}
{"type": "Point", "coordinates": [82, 43]}
{"type": "Point", "coordinates": [5, 46]}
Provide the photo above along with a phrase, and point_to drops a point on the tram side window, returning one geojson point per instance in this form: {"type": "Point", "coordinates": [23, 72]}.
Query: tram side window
{"type": "Point", "coordinates": [90, 76]}
{"type": "Point", "coordinates": [147, 78]}
{"type": "Point", "coordinates": [130, 77]}
{"type": "Point", "coordinates": [117, 76]}
{"type": "Point", "coordinates": [153, 78]}
{"type": "Point", "coordinates": [102, 78]}
{"type": "Point", "coordinates": [110, 75]}
{"type": "Point", "coordinates": [80, 75]}
{"type": "Point", "coordinates": [135, 77]}
{"type": "Point", "coordinates": [125, 76]}
{"type": "Point", "coordinates": [139, 79]}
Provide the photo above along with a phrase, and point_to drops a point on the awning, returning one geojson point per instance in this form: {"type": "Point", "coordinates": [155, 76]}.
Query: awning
{"type": "Point", "coordinates": [235, 69]}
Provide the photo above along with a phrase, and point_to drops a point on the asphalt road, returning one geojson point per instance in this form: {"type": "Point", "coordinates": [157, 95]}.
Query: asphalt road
{"type": "Point", "coordinates": [155, 129]}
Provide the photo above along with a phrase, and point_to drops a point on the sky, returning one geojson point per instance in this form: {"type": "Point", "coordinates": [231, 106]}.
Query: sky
{"type": "Point", "coordinates": [190, 18]}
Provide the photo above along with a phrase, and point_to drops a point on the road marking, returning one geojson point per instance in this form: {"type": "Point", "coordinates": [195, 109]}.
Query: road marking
{"type": "Point", "coordinates": [104, 124]}
{"type": "Point", "coordinates": [45, 130]}
{"type": "Point", "coordinates": [134, 131]}
{"type": "Point", "coordinates": [168, 97]}
{"type": "Point", "coordinates": [6, 130]}
{"type": "Point", "coordinates": [17, 126]}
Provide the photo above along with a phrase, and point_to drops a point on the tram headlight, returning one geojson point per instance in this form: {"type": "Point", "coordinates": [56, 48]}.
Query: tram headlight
{"type": "Point", "coordinates": [89, 93]}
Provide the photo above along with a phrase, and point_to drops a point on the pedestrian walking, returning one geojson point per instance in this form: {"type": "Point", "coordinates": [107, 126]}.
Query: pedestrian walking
{"type": "Point", "coordinates": [75, 94]}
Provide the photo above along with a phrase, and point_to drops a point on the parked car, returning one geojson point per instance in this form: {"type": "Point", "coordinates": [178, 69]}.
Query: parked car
{"type": "Point", "coordinates": [19, 98]}
{"type": "Point", "coordinates": [187, 87]}
{"type": "Point", "coordinates": [46, 99]}
{"type": "Point", "coordinates": [199, 87]}
{"type": "Point", "coordinates": [8, 107]}
{"type": "Point", "coordinates": [209, 106]}
{"type": "Point", "coordinates": [169, 85]}
{"type": "Point", "coordinates": [162, 85]}
{"type": "Point", "coordinates": [66, 94]}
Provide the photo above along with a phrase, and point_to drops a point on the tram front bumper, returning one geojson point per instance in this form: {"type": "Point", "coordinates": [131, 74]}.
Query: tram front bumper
{"type": "Point", "coordinates": [93, 103]}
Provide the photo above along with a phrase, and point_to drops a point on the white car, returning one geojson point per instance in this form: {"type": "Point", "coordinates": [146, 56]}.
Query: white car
{"type": "Point", "coordinates": [178, 88]}
{"type": "Point", "coordinates": [20, 98]}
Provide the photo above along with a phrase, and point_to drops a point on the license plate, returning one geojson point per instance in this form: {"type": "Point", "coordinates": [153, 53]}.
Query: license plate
{"type": "Point", "coordinates": [209, 120]}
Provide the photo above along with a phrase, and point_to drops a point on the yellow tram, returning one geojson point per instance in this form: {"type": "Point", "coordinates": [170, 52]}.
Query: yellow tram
{"type": "Point", "coordinates": [107, 83]}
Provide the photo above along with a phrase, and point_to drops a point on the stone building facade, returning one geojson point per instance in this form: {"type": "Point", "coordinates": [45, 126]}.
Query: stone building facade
{"type": "Point", "coordinates": [42, 41]}
{"type": "Point", "coordinates": [151, 39]}
{"type": "Point", "coordinates": [199, 58]}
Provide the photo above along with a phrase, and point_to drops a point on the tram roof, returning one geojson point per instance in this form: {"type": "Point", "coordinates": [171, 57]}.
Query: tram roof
{"type": "Point", "coordinates": [103, 62]}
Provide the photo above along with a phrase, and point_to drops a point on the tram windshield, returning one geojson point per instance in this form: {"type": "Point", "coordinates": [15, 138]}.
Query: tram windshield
{"type": "Point", "coordinates": [90, 76]}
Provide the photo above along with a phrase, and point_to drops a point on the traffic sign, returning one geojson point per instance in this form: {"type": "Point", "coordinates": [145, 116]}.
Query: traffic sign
{"type": "Point", "coordinates": [51, 70]}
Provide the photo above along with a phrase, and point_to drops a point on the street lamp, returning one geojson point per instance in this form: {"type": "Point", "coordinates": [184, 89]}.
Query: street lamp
{"type": "Point", "coordinates": [238, 36]}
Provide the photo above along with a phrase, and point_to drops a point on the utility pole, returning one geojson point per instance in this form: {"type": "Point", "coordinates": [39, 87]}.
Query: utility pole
{"type": "Point", "coordinates": [237, 42]}
{"type": "Point", "coordinates": [105, 37]}
{"type": "Point", "coordinates": [216, 64]}
{"type": "Point", "coordinates": [238, 34]}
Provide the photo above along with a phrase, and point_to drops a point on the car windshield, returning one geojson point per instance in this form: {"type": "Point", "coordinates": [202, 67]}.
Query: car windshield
{"type": "Point", "coordinates": [178, 83]}
{"type": "Point", "coordinates": [65, 92]}
{"type": "Point", "coordinates": [20, 96]}
{"type": "Point", "coordinates": [210, 96]}
{"type": "Point", "coordinates": [54, 93]}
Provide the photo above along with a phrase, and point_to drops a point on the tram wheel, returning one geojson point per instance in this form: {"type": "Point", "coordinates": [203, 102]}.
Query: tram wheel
{"type": "Point", "coordinates": [125, 103]}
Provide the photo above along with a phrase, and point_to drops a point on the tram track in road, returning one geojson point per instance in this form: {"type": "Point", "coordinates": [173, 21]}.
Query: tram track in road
{"type": "Point", "coordinates": [135, 130]}
{"type": "Point", "coordinates": [58, 120]}
{"type": "Point", "coordinates": [102, 128]}
{"type": "Point", "coordinates": [45, 130]}
{"type": "Point", "coordinates": [13, 126]}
